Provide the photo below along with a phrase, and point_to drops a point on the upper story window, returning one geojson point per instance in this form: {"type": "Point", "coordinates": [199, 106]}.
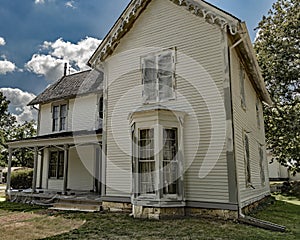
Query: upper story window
{"type": "Point", "coordinates": [101, 107]}
{"type": "Point", "coordinates": [59, 117]}
{"type": "Point", "coordinates": [257, 108]}
{"type": "Point", "coordinates": [158, 72]}
{"type": "Point", "coordinates": [242, 86]}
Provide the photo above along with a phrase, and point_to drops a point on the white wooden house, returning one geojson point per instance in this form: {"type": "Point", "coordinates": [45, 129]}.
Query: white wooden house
{"type": "Point", "coordinates": [182, 127]}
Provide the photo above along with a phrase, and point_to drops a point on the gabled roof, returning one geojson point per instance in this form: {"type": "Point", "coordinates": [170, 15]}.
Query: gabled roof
{"type": "Point", "coordinates": [199, 8]}
{"type": "Point", "coordinates": [70, 86]}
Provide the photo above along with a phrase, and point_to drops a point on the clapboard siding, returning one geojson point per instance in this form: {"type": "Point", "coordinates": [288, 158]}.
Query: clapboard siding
{"type": "Point", "coordinates": [246, 120]}
{"type": "Point", "coordinates": [82, 114]}
{"type": "Point", "coordinates": [81, 168]}
{"type": "Point", "coordinates": [45, 119]}
{"type": "Point", "coordinates": [200, 75]}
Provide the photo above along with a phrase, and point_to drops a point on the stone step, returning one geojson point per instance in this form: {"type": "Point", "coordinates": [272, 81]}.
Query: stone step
{"type": "Point", "coordinates": [63, 206]}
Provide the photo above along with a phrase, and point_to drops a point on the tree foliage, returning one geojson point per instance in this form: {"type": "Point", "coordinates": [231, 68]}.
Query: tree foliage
{"type": "Point", "coordinates": [11, 130]}
{"type": "Point", "coordinates": [278, 52]}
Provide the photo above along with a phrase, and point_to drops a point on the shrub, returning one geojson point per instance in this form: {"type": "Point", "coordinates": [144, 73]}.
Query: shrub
{"type": "Point", "coordinates": [22, 179]}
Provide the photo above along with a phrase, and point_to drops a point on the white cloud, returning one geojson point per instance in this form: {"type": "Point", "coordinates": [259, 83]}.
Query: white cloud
{"type": "Point", "coordinates": [39, 1]}
{"type": "Point", "coordinates": [2, 41]}
{"type": "Point", "coordinates": [51, 64]}
{"type": "Point", "coordinates": [70, 4]}
{"type": "Point", "coordinates": [6, 66]}
{"type": "Point", "coordinates": [18, 104]}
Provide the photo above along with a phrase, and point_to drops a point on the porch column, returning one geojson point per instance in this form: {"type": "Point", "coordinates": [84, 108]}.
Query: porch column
{"type": "Point", "coordinates": [8, 176]}
{"type": "Point", "coordinates": [66, 149]}
{"type": "Point", "coordinates": [35, 163]}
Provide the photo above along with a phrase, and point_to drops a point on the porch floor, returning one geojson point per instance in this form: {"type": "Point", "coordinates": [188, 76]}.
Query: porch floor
{"type": "Point", "coordinates": [73, 200]}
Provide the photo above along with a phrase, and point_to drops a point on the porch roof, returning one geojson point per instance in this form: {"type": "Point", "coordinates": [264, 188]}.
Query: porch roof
{"type": "Point", "coordinates": [74, 138]}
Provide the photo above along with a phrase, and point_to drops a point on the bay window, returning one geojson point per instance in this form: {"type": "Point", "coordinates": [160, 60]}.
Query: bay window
{"type": "Point", "coordinates": [157, 164]}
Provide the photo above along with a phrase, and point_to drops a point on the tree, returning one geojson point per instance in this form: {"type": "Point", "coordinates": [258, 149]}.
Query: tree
{"type": "Point", "coordinates": [278, 52]}
{"type": "Point", "coordinates": [11, 130]}
{"type": "Point", "coordinates": [6, 121]}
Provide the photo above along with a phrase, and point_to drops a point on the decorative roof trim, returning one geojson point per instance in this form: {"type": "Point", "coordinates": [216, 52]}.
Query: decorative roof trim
{"type": "Point", "coordinates": [200, 8]}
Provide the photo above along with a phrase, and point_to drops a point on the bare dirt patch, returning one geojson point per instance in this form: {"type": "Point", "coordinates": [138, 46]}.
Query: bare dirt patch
{"type": "Point", "coordinates": [34, 226]}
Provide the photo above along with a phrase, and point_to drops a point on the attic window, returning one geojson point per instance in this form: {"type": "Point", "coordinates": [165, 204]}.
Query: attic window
{"type": "Point", "coordinates": [158, 73]}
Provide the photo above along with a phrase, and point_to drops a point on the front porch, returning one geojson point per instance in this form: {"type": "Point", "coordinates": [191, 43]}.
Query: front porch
{"type": "Point", "coordinates": [66, 173]}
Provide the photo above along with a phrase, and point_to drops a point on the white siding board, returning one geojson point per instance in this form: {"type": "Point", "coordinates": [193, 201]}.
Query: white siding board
{"type": "Point", "coordinates": [163, 25]}
{"type": "Point", "coordinates": [82, 115]}
{"type": "Point", "coordinates": [81, 168]}
{"type": "Point", "coordinates": [246, 120]}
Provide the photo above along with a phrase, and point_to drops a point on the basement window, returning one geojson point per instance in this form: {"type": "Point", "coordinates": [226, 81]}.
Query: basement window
{"type": "Point", "coordinates": [158, 76]}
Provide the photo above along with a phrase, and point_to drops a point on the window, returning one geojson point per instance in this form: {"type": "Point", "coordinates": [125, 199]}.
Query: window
{"type": "Point", "coordinates": [261, 164]}
{"type": "Point", "coordinates": [56, 165]}
{"type": "Point", "coordinates": [247, 160]}
{"type": "Point", "coordinates": [242, 86]}
{"type": "Point", "coordinates": [59, 117]}
{"type": "Point", "coordinates": [146, 161]}
{"type": "Point", "coordinates": [257, 114]}
{"type": "Point", "coordinates": [170, 161]}
{"type": "Point", "coordinates": [158, 71]}
{"type": "Point", "coordinates": [101, 107]}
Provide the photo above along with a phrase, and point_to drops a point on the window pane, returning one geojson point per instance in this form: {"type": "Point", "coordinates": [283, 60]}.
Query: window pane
{"type": "Point", "coordinates": [149, 78]}
{"type": "Point", "coordinates": [165, 76]}
{"type": "Point", "coordinates": [146, 162]}
{"type": "Point", "coordinates": [55, 115]}
{"type": "Point", "coordinates": [247, 159]}
{"type": "Point", "coordinates": [170, 164]}
{"type": "Point", "coordinates": [63, 110]}
{"type": "Point", "coordinates": [52, 165]}
{"type": "Point", "coordinates": [262, 169]}
{"type": "Point", "coordinates": [101, 108]}
{"type": "Point", "coordinates": [60, 171]}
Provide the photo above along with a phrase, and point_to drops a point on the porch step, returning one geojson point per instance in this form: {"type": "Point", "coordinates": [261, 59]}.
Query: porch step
{"type": "Point", "coordinates": [67, 206]}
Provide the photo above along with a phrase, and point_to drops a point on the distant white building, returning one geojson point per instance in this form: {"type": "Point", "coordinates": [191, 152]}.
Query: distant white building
{"type": "Point", "coordinates": [280, 172]}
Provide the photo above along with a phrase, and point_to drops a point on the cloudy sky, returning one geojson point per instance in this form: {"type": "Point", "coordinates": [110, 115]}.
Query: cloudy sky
{"type": "Point", "coordinates": [38, 36]}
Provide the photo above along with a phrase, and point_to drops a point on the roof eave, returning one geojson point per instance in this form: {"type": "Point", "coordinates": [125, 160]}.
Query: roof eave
{"type": "Point", "coordinates": [136, 7]}
{"type": "Point", "coordinates": [247, 50]}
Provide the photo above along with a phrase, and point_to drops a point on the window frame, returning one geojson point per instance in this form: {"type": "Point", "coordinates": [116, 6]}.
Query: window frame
{"type": "Point", "coordinates": [139, 161]}
{"type": "Point", "coordinates": [242, 75]}
{"type": "Point", "coordinates": [174, 160]}
{"type": "Point", "coordinates": [258, 113]}
{"type": "Point", "coordinates": [246, 144]}
{"type": "Point", "coordinates": [156, 55]}
{"type": "Point", "coordinates": [59, 121]}
{"type": "Point", "coordinates": [58, 165]}
{"type": "Point", "coordinates": [261, 153]}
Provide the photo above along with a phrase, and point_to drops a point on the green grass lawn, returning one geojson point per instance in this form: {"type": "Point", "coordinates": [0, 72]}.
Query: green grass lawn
{"type": "Point", "coordinates": [122, 226]}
